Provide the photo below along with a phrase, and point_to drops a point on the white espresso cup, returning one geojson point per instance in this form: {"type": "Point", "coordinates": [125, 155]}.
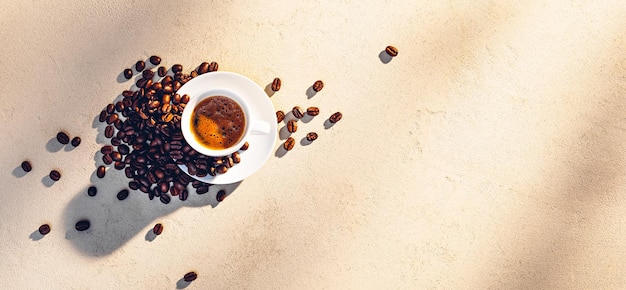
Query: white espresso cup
{"type": "Point", "coordinates": [252, 126]}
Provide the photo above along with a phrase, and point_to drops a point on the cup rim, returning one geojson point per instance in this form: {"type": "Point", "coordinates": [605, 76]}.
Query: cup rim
{"type": "Point", "coordinates": [187, 114]}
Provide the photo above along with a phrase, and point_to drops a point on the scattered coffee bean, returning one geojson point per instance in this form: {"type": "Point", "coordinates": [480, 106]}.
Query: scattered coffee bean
{"type": "Point", "coordinates": [26, 166]}
{"type": "Point", "coordinates": [63, 138]}
{"type": "Point", "coordinates": [280, 116]}
{"type": "Point", "coordinates": [202, 189]}
{"type": "Point", "coordinates": [155, 60]}
{"type": "Point", "coordinates": [289, 143]}
{"type": "Point", "coordinates": [313, 111]}
{"type": "Point", "coordinates": [318, 86]}
{"type": "Point", "coordinates": [221, 195]}
{"type": "Point", "coordinates": [191, 276]}
{"type": "Point", "coordinates": [311, 136]}
{"type": "Point", "coordinates": [101, 171]}
{"type": "Point", "coordinates": [140, 65]}
{"type": "Point", "coordinates": [82, 225]}
{"type": "Point", "coordinates": [221, 169]}
{"type": "Point", "coordinates": [183, 195]}
{"type": "Point", "coordinates": [297, 112]}
{"type": "Point", "coordinates": [157, 229]}
{"type": "Point", "coordinates": [276, 85]}
{"type": "Point", "coordinates": [213, 66]}
{"type": "Point", "coordinates": [123, 194]}
{"type": "Point", "coordinates": [236, 157]}
{"type": "Point", "coordinates": [147, 74]}
{"type": "Point", "coordinates": [177, 68]}
{"type": "Point", "coordinates": [292, 126]}
{"type": "Point", "coordinates": [128, 73]}
{"type": "Point", "coordinates": [165, 198]}
{"type": "Point", "coordinates": [106, 158]}
{"type": "Point", "coordinates": [92, 191]}
{"type": "Point", "coordinates": [111, 119]}
{"type": "Point", "coordinates": [55, 175]}
{"type": "Point", "coordinates": [106, 149]}
{"type": "Point", "coordinates": [119, 165]}
{"type": "Point", "coordinates": [109, 131]}
{"type": "Point", "coordinates": [44, 229]}
{"type": "Point", "coordinates": [141, 83]}
{"type": "Point", "coordinates": [116, 156]}
{"type": "Point", "coordinates": [391, 51]}
{"type": "Point", "coordinates": [245, 146]}
{"type": "Point", "coordinates": [76, 141]}
{"type": "Point", "coordinates": [203, 68]}
{"type": "Point", "coordinates": [103, 116]}
{"type": "Point", "coordinates": [123, 149]}
{"type": "Point", "coordinates": [334, 118]}
{"type": "Point", "coordinates": [161, 71]}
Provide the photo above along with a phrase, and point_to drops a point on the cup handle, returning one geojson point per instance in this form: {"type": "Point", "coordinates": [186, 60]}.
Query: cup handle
{"type": "Point", "coordinates": [258, 127]}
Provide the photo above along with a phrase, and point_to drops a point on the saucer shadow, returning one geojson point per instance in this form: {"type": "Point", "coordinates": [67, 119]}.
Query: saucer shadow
{"type": "Point", "coordinates": [36, 236]}
{"type": "Point", "coordinates": [53, 145]}
{"type": "Point", "coordinates": [269, 91]}
{"type": "Point", "coordinates": [182, 284]}
{"type": "Point", "coordinates": [384, 57]}
{"type": "Point", "coordinates": [328, 124]}
{"type": "Point", "coordinates": [310, 92]}
{"type": "Point", "coordinates": [47, 181]}
{"type": "Point", "coordinates": [19, 172]}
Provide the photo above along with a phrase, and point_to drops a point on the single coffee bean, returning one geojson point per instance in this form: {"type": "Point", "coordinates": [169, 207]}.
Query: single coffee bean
{"type": "Point", "coordinates": [119, 165]}
{"type": "Point", "coordinates": [177, 68]}
{"type": "Point", "coordinates": [26, 166]}
{"type": "Point", "coordinates": [313, 111]}
{"type": "Point", "coordinates": [106, 158]}
{"type": "Point", "coordinates": [115, 141]}
{"type": "Point", "coordinates": [123, 194]}
{"type": "Point", "coordinates": [391, 51]}
{"type": "Point", "coordinates": [147, 74]}
{"type": "Point", "coordinates": [203, 68]}
{"type": "Point", "coordinates": [318, 86]}
{"type": "Point", "coordinates": [213, 66]}
{"type": "Point", "coordinates": [92, 191]}
{"type": "Point", "coordinates": [155, 60]}
{"type": "Point", "coordinates": [44, 229]}
{"type": "Point", "coordinates": [245, 146]}
{"type": "Point", "coordinates": [109, 131]}
{"type": "Point", "coordinates": [164, 186]}
{"type": "Point", "coordinates": [123, 149]}
{"type": "Point", "coordinates": [202, 189]}
{"type": "Point", "coordinates": [112, 118]}
{"type": "Point", "coordinates": [82, 225]}
{"type": "Point", "coordinates": [76, 141]}
{"type": "Point", "coordinates": [55, 175]}
{"type": "Point", "coordinates": [191, 276]}
{"type": "Point", "coordinates": [297, 112]}
{"type": "Point", "coordinates": [118, 124]}
{"type": "Point", "coordinates": [141, 83]}
{"type": "Point", "coordinates": [128, 73]}
{"type": "Point", "coordinates": [236, 157]}
{"type": "Point", "coordinates": [63, 138]}
{"type": "Point", "coordinates": [334, 118]}
{"type": "Point", "coordinates": [101, 171]}
{"type": "Point", "coordinates": [157, 229]}
{"type": "Point", "coordinates": [134, 185]}
{"type": "Point", "coordinates": [184, 99]}
{"type": "Point", "coordinates": [106, 149]}
{"type": "Point", "coordinates": [276, 85]}
{"type": "Point", "coordinates": [220, 195]}
{"type": "Point", "coordinates": [292, 126]}
{"type": "Point", "coordinates": [140, 65]}
{"type": "Point", "coordinates": [289, 143]}
{"type": "Point", "coordinates": [221, 169]}
{"type": "Point", "coordinates": [119, 106]}
{"type": "Point", "coordinates": [184, 195]}
{"type": "Point", "coordinates": [110, 108]}
{"type": "Point", "coordinates": [280, 116]}
{"type": "Point", "coordinates": [161, 71]}
{"type": "Point", "coordinates": [165, 198]}
{"type": "Point", "coordinates": [116, 156]}
{"type": "Point", "coordinates": [103, 116]}
{"type": "Point", "coordinates": [311, 136]}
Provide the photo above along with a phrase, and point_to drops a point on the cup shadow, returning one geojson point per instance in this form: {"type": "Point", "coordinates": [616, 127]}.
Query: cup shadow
{"type": "Point", "coordinates": [384, 57]}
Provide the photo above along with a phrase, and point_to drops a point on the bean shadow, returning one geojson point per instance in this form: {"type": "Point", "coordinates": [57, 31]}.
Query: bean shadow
{"type": "Point", "coordinates": [182, 284]}
{"type": "Point", "coordinates": [150, 235]}
{"type": "Point", "coordinates": [305, 142]}
{"type": "Point", "coordinates": [19, 172]}
{"type": "Point", "coordinates": [47, 181]}
{"type": "Point", "coordinates": [310, 92]}
{"type": "Point", "coordinates": [306, 118]}
{"type": "Point", "coordinates": [36, 235]}
{"type": "Point", "coordinates": [384, 57]}
{"type": "Point", "coordinates": [53, 145]}
{"type": "Point", "coordinates": [328, 124]}
{"type": "Point", "coordinates": [121, 78]}
{"type": "Point", "coordinates": [269, 91]}
{"type": "Point", "coordinates": [280, 152]}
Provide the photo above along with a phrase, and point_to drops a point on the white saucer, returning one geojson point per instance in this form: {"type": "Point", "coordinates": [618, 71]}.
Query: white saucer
{"type": "Point", "coordinates": [261, 108]}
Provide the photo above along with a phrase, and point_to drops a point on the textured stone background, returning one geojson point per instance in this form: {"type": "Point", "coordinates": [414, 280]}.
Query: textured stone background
{"type": "Point", "coordinates": [489, 154]}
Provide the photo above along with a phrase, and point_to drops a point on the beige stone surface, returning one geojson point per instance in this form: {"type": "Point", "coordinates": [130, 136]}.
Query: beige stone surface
{"type": "Point", "coordinates": [490, 154]}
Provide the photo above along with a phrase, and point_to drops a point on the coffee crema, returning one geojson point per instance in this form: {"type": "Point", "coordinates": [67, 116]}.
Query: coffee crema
{"type": "Point", "coordinates": [218, 122]}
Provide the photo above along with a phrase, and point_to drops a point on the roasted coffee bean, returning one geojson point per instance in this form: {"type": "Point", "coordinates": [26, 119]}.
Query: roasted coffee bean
{"type": "Point", "coordinates": [334, 118]}
{"type": "Point", "coordinates": [112, 118]}
{"type": "Point", "coordinates": [391, 51]}
{"type": "Point", "coordinates": [147, 74]}
{"type": "Point", "coordinates": [128, 73]}
{"type": "Point", "coordinates": [123, 194]}
{"type": "Point", "coordinates": [115, 141]}
{"type": "Point", "coordinates": [141, 83]}
{"type": "Point", "coordinates": [292, 126]}
{"type": "Point", "coordinates": [220, 195]}
{"type": "Point", "coordinates": [55, 175]}
{"type": "Point", "coordinates": [184, 195]}
{"type": "Point", "coordinates": [75, 141]}
{"type": "Point", "coordinates": [211, 171]}
{"type": "Point", "coordinates": [63, 138]}
{"type": "Point", "coordinates": [166, 108]}
{"type": "Point", "coordinates": [202, 189]}
{"type": "Point", "coordinates": [157, 229]}
{"type": "Point", "coordinates": [280, 116]}
{"type": "Point", "coordinates": [229, 162]}
{"type": "Point", "coordinates": [311, 136]}
{"type": "Point", "coordinates": [193, 74]}
{"type": "Point", "coordinates": [44, 229]}
{"type": "Point", "coordinates": [236, 157]}
{"type": "Point", "coordinates": [161, 71]}
{"type": "Point", "coordinates": [140, 65]}
{"type": "Point", "coordinates": [318, 86]}
{"type": "Point", "coordinates": [26, 166]}
{"type": "Point", "coordinates": [134, 185]}
{"type": "Point", "coordinates": [106, 158]}
{"type": "Point", "coordinates": [103, 116]}
{"type": "Point", "coordinates": [101, 171]}
{"type": "Point", "coordinates": [245, 146]}
{"type": "Point", "coordinates": [164, 186]}
{"type": "Point", "coordinates": [276, 85]}
{"type": "Point", "coordinates": [118, 124]}
{"type": "Point", "coordinates": [92, 191]}
{"type": "Point", "coordinates": [106, 149]}
{"type": "Point", "coordinates": [190, 276]}
{"type": "Point", "coordinates": [123, 149]}
{"type": "Point", "coordinates": [155, 60]}
{"type": "Point", "coordinates": [213, 66]}
{"type": "Point", "coordinates": [174, 191]}
{"type": "Point", "coordinates": [203, 68]}
{"type": "Point", "coordinates": [177, 68]}
{"type": "Point", "coordinates": [165, 198]}
{"type": "Point", "coordinates": [129, 173]}
{"type": "Point", "coordinates": [119, 165]}
{"type": "Point", "coordinates": [221, 169]}
{"type": "Point", "coordinates": [297, 112]}
{"type": "Point", "coordinates": [313, 111]}
{"type": "Point", "coordinates": [119, 106]}
{"type": "Point", "coordinates": [110, 108]}
{"type": "Point", "coordinates": [82, 225]}
{"type": "Point", "coordinates": [109, 131]}
{"type": "Point", "coordinates": [184, 99]}
{"type": "Point", "coordinates": [289, 143]}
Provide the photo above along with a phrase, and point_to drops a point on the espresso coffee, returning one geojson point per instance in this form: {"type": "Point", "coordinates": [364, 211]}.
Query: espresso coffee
{"type": "Point", "coordinates": [218, 122]}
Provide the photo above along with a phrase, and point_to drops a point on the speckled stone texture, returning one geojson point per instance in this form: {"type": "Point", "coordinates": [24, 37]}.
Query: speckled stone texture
{"type": "Point", "coordinates": [489, 154]}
